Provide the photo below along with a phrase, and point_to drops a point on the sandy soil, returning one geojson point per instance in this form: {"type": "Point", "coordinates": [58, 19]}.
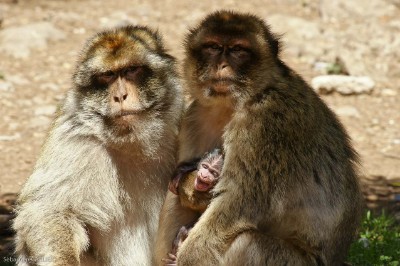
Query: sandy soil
{"type": "Point", "coordinates": [40, 79]}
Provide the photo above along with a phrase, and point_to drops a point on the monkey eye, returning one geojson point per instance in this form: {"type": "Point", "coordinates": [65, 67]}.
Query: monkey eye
{"type": "Point", "coordinates": [214, 173]}
{"type": "Point", "coordinates": [106, 77]}
{"type": "Point", "coordinates": [132, 71]}
{"type": "Point", "coordinates": [237, 48]}
{"type": "Point", "coordinates": [205, 166]}
{"type": "Point", "coordinates": [239, 51]}
{"type": "Point", "coordinates": [213, 48]}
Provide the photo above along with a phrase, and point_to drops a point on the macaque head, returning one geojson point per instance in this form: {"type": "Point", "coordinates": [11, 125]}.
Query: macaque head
{"type": "Point", "coordinates": [225, 55]}
{"type": "Point", "coordinates": [206, 170]}
{"type": "Point", "coordinates": [122, 80]}
{"type": "Point", "coordinates": [209, 171]}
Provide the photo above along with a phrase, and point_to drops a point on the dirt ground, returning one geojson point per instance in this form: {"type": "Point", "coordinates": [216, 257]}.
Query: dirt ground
{"type": "Point", "coordinates": [363, 33]}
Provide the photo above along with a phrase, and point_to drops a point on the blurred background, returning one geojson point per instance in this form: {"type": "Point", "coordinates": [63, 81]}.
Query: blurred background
{"type": "Point", "coordinates": [40, 41]}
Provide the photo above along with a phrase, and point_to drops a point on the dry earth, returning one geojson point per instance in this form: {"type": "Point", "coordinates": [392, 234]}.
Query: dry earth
{"type": "Point", "coordinates": [35, 69]}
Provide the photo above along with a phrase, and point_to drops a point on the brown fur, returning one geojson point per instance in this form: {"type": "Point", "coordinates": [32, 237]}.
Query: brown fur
{"type": "Point", "coordinates": [288, 193]}
{"type": "Point", "coordinates": [190, 198]}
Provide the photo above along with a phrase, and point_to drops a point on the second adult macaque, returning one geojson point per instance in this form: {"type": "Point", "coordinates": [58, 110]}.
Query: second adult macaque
{"type": "Point", "coordinates": [288, 192]}
{"type": "Point", "coordinates": [193, 183]}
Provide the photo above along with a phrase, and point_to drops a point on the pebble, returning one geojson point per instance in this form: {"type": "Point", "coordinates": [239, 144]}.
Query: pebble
{"type": "Point", "coordinates": [47, 110]}
{"type": "Point", "coordinates": [116, 19]}
{"type": "Point", "coordinates": [388, 92]}
{"type": "Point", "coordinates": [17, 80]}
{"type": "Point", "coordinates": [19, 41]}
{"type": "Point", "coordinates": [350, 111]}
{"type": "Point", "coordinates": [40, 122]}
{"type": "Point", "coordinates": [49, 86]}
{"type": "Point", "coordinates": [342, 84]}
{"type": "Point", "coordinates": [10, 138]}
{"type": "Point", "coordinates": [6, 86]}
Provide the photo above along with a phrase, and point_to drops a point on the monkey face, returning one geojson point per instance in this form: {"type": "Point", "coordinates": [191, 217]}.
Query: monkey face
{"type": "Point", "coordinates": [122, 79]}
{"type": "Point", "coordinates": [207, 177]}
{"type": "Point", "coordinates": [226, 53]}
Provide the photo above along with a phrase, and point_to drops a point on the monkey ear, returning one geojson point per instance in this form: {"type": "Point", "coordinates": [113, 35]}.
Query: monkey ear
{"type": "Point", "coordinates": [173, 185]}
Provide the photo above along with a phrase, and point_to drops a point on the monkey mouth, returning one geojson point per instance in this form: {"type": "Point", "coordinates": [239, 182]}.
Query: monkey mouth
{"type": "Point", "coordinates": [129, 113]}
{"type": "Point", "coordinates": [123, 120]}
{"type": "Point", "coordinates": [202, 185]}
{"type": "Point", "coordinates": [221, 87]}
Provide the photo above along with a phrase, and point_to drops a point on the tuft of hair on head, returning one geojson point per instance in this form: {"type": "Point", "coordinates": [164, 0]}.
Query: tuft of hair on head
{"type": "Point", "coordinates": [113, 45]}
{"type": "Point", "coordinates": [215, 157]}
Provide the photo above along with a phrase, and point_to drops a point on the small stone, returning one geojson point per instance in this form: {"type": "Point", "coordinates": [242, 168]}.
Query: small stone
{"type": "Point", "coordinates": [117, 19]}
{"type": "Point", "coordinates": [342, 84]}
{"type": "Point", "coordinates": [19, 41]}
{"type": "Point", "coordinates": [49, 86]}
{"type": "Point", "coordinates": [350, 111]}
{"type": "Point", "coordinates": [6, 86]}
{"type": "Point", "coordinates": [388, 92]}
{"type": "Point", "coordinates": [10, 138]}
{"type": "Point", "coordinates": [47, 110]}
{"type": "Point", "coordinates": [79, 31]}
{"type": "Point", "coordinates": [40, 122]}
{"type": "Point", "coordinates": [17, 80]}
{"type": "Point", "coordinates": [372, 197]}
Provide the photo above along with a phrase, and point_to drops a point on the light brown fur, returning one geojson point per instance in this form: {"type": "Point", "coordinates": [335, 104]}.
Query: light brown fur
{"type": "Point", "coordinates": [98, 186]}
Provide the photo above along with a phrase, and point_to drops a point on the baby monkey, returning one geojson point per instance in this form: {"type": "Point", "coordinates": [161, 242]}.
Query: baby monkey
{"type": "Point", "coordinates": [193, 182]}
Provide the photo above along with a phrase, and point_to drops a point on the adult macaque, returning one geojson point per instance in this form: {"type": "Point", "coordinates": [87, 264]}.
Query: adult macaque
{"type": "Point", "coordinates": [97, 189]}
{"type": "Point", "coordinates": [288, 192]}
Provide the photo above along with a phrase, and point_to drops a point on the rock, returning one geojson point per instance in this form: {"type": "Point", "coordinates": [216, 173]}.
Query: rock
{"type": "Point", "coordinates": [10, 138]}
{"type": "Point", "coordinates": [79, 30]}
{"type": "Point", "coordinates": [40, 122]}
{"type": "Point", "coordinates": [19, 41]}
{"type": "Point", "coordinates": [388, 92]}
{"type": "Point", "coordinates": [297, 34]}
{"type": "Point", "coordinates": [47, 110]}
{"type": "Point", "coordinates": [340, 10]}
{"type": "Point", "coordinates": [18, 80]}
{"type": "Point", "coordinates": [49, 86]}
{"type": "Point", "coordinates": [347, 111]}
{"type": "Point", "coordinates": [6, 86]}
{"type": "Point", "coordinates": [116, 19]}
{"type": "Point", "coordinates": [345, 85]}
{"type": "Point", "coordinates": [293, 27]}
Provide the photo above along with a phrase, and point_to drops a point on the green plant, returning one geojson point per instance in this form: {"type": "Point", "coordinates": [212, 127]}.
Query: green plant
{"type": "Point", "coordinates": [378, 242]}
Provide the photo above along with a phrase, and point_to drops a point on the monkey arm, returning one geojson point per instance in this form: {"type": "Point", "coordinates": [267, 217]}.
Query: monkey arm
{"type": "Point", "coordinates": [209, 239]}
{"type": "Point", "coordinates": [51, 220]}
{"type": "Point", "coordinates": [172, 217]}
{"type": "Point", "coordinates": [53, 238]}
{"type": "Point", "coordinates": [183, 169]}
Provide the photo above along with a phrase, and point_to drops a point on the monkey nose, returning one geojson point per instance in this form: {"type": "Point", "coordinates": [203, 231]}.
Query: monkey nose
{"type": "Point", "coordinates": [223, 65]}
{"type": "Point", "coordinates": [120, 98]}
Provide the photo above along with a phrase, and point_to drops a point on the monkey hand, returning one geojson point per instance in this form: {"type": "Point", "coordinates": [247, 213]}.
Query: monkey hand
{"type": "Point", "coordinates": [170, 261]}
{"type": "Point", "coordinates": [198, 249]}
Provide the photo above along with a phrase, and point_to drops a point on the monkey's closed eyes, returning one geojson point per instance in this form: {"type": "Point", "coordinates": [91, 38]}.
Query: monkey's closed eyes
{"type": "Point", "coordinates": [132, 72]}
{"type": "Point", "coordinates": [213, 47]}
{"type": "Point", "coordinates": [106, 77]}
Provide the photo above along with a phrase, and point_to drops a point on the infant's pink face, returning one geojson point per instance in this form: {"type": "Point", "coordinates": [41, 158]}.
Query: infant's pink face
{"type": "Point", "coordinates": [207, 177]}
